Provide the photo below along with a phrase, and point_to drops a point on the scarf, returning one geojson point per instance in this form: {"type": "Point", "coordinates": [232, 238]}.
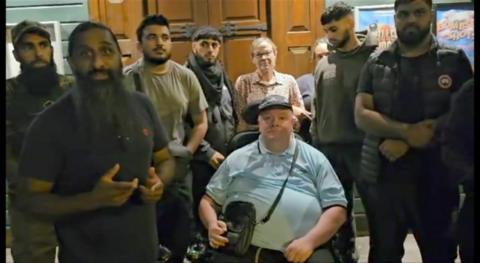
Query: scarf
{"type": "Point", "coordinates": [211, 78]}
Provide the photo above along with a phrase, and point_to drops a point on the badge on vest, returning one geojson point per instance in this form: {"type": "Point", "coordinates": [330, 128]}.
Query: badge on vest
{"type": "Point", "coordinates": [445, 81]}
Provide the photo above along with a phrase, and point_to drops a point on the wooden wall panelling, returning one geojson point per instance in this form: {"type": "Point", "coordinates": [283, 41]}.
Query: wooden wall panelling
{"type": "Point", "coordinates": [240, 21]}
{"type": "Point", "coordinates": [295, 26]}
{"type": "Point", "coordinates": [123, 18]}
{"type": "Point", "coordinates": [184, 16]}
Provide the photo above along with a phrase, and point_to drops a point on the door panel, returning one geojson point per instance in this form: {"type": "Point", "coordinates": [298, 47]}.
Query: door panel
{"type": "Point", "coordinates": [295, 26]}
{"type": "Point", "coordinates": [183, 16]}
{"type": "Point", "coordinates": [123, 18]}
{"type": "Point", "coordinates": [240, 21]}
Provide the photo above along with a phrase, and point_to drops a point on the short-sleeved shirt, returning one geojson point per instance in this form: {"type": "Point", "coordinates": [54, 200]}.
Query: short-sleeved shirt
{"type": "Point", "coordinates": [175, 95]}
{"type": "Point", "coordinates": [249, 89]}
{"type": "Point", "coordinates": [58, 150]}
{"type": "Point", "coordinates": [254, 174]}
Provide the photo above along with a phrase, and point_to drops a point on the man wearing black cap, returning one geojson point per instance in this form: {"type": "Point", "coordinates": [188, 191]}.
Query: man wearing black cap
{"type": "Point", "coordinates": [37, 86]}
{"type": "Point", "coordinates": [308, 213]}
{"type": "Point", "coordinates": [216, 86]}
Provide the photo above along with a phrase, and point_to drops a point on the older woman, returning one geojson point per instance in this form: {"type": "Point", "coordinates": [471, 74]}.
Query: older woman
{"type": "Point", "coordinates": [266, 81]}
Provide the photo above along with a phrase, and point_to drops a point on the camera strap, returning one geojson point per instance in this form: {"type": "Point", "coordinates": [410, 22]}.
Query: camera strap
{"type": "Point", "coordinates": [277, 199]}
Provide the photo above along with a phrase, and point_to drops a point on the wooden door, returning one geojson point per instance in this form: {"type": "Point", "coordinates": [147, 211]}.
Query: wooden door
{"type": "Point", "coordinates": [123, 18]}
{"type": "Point", "coordinates": [295, 26]}
{"type": "Point", "coordinates": [184, 16]}
{"type": "Point", "coordinates": [240, 21]}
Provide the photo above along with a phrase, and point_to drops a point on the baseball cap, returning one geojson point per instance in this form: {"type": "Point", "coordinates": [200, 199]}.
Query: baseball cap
{"type": "Point", "coordinates": [252, 110]}
{"type": "Point", "coordinates": [27, 26]}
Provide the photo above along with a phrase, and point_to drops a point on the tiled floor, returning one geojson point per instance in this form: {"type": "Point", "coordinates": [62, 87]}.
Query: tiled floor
{"type": "Point", "coordinates": [411, 251]}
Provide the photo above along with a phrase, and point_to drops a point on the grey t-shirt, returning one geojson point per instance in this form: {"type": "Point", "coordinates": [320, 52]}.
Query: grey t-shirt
{"type": "Point", "coordinates": [336, 78]}
{"type": "Point", "coordinates": [175, 95]}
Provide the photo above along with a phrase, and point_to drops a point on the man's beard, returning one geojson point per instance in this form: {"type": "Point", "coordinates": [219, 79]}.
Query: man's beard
{"type": "Point", "coordinates": [343, 42]}
{"type": "Point", "coordinates": [412, 37]}
{"type": "Point", "coordinates": [39, 81]}
{"type": "Point", "coordinates": [157, 61]}
{"type": "Point", "coordinates": [203, 63]}
{"type": "Point", "coordinates": [105, 104]}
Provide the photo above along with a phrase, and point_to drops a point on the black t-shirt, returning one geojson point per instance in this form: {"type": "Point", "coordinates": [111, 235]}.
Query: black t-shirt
{"type": "Point", "coordinates": [56, 150]}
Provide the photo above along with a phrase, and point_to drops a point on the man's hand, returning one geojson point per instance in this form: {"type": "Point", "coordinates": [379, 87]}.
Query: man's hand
{"type": "Point", "coordinates": [301, 113]}
{"type": "Point", "coordinates": [215, 231]}
{"type": "Point", "coordinates": [420, 134]}
{"type": "Point", "coordinates": [111, 193]}
{"type": "Point", "coordinates": [393, 149]}
{"type": "Point", "coordinates": [216, 160]}
{"type": "Point", "coordinates": [153, 190]}
{"type": "Point", "coordinates": [299, 250]}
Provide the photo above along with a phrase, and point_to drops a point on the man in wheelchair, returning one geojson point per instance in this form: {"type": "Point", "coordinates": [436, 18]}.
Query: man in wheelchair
{"type": "Point", "coordinates": [276, 199]}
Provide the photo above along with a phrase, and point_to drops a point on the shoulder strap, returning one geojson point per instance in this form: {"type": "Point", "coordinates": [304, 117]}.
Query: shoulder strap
{"type": "Point", "coordinates": [138, 82]}
{"type": "Point", "coordinates": [277, 199]}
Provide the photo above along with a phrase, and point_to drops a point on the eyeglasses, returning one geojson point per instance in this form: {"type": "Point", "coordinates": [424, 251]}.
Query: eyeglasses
{"type": "Point", "coordinates": [260, 55]}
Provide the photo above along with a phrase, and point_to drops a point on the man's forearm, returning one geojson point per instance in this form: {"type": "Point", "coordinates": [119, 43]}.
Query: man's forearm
{"type": "Point", "coordinates": [207, 212]}
{"type": "Point", "coordinates": [328, 224]}
{"type": "Point", "coordinates": [54, 206]}
{"type": "Point", "coordinates": [198, 133]}
{"type": "Point", "coordinates": [166, 170]}
{"type": "Point", "coordinates": [377, 124]}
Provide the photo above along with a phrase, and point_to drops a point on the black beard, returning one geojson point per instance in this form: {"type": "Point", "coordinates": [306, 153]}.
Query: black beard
{"type": "Point", "coordinates": [411, 39]}
{"type": "Point", "coordinates": [344, 41]}
{"type": "Point", "coordinates": [204, 63]}
{"type": "Point", "coordinates": [39, 81]}
{"type": "Point", "coordinates": [105, 104]}
{"type": "Point", "coordinates": [156, 61]}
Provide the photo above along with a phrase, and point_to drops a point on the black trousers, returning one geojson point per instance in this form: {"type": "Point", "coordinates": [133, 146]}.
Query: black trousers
{"type": "Point", "coordinates": [262, 255]}
{"type": "Point", "coordinates": [345, 160]}
{"type": "Point", "coordinates": [395, 208]}
{"type": "Point", "coordinates": [174, 212]}
{"type": "Point", "coordinates": [202, 172]}
{"type": "Point", "coordinates": [465, 229]}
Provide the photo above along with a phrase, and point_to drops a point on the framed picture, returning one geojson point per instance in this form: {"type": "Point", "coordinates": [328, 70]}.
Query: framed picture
{"type": "Point", "coordinates": [455, 27]}
{"type": "Point", "coordinates": [378, 21]}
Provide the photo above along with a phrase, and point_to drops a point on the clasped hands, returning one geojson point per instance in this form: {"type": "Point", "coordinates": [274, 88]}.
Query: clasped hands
{"type": "Point", "coordinates": [418, 135]}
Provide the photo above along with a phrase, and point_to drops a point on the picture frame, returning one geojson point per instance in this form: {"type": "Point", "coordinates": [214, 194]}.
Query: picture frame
{"type": "Point", "coordinates": [378, 21]}
{"type": "Point", "coordinates": [454, 26]}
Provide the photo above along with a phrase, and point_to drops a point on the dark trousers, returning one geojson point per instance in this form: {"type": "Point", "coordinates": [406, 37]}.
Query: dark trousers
{"type": "Point", "coordinates": [174, 212]}
{"type": "Point", "coordinates": [394, 208]}
{"type": "Point", "coordinates": [345, 160]}
{"type": "Point", "coordinates": [33, 239]}
{"type": "Point", "coordinates": [202, 172]}
{"type": "Point", "coordinates": [261, 255]}
{"type": "Point", "coordinates": [465, 229]}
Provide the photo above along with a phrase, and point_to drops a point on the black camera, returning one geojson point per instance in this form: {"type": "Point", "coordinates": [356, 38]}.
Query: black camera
{"type": "Point", "coordinates": [240, 219]}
